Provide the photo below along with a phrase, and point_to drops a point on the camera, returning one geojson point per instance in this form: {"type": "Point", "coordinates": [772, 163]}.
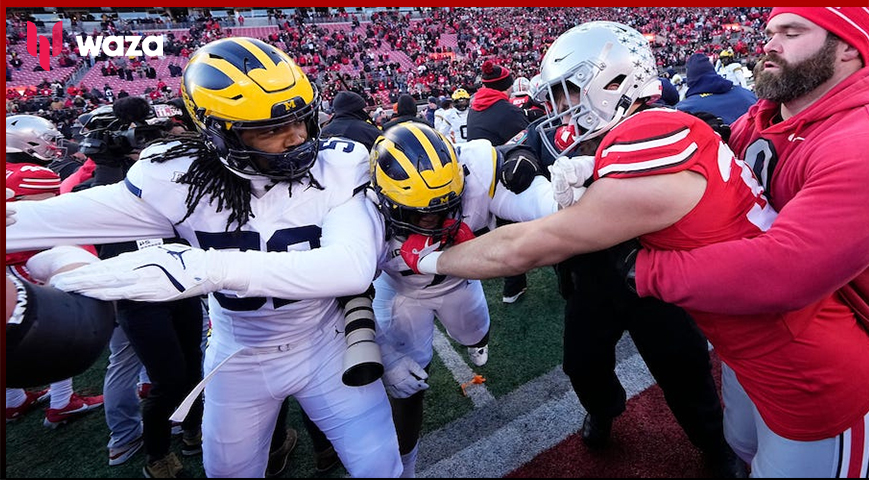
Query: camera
{"type": "Point", "coordinates": [125, 127]}
{"type": "Point", "coordinates": [362, 361]}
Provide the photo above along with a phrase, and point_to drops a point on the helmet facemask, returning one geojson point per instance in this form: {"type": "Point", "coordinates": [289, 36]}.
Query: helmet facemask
{"type": "Point", "coordinates": [48, 147]}
{"type": "Point", "coordinates": [402, 220]}
{"type": "Point", "coordinates": [568, 104]}
{"type": "Point", "coordinates": [415, 173]}
{"type": "Point", "coordinates": [248, 162]}
{"type": "Point", "coordinates": [608, 67]}
{"type": "Point", "coordinates": [34, 136]}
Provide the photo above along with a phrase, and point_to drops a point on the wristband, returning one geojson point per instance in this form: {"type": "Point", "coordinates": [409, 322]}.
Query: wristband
{"type": "Point", "coordinates": [429, 263]}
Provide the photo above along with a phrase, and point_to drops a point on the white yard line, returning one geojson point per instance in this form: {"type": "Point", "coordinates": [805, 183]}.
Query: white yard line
{"type": "Point", "coordinates": [509, 432]}
{"type": "Point", "coordinates": [459, 369]}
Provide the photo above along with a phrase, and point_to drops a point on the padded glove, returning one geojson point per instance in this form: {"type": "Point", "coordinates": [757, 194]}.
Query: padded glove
{"type": "Point", "coordinates": [520, 167]}
{"type": "Point", "coordinates": [158, 274]}
{"type": "Point", "coordinates": [568, 176]}
{"type": "Point", "coordinates": [46, 263]}
{"type": "Point", "coordinates": [404, 378]}
{"type": "Point", "coordinates": [624, 257]}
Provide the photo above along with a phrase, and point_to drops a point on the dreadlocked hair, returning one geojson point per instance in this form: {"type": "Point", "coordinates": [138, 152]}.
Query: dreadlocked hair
{"type": "Point", "coordinates": [208, 176]}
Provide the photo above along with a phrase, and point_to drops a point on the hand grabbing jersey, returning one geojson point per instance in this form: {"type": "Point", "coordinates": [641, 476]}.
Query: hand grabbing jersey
{"type": "Point", "coordinates": [420, 252]}
{"type": "Point", "coordinates": [568, 176]}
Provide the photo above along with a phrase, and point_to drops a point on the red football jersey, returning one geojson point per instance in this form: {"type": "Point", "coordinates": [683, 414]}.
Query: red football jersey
{"type": "Point", "coordinates": [782, 360]}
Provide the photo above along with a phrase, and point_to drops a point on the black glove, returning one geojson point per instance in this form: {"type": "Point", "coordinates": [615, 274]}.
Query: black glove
{"type": "Point", "coordinates": [716, 122]}
{"type": "Point", "coordinates": [624, 257]}
{"type": "Point", "coordinates": [519, 167]}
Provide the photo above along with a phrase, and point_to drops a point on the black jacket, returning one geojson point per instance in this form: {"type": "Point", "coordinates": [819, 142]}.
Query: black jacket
{"type": "Point", "coordinates": [498, 123]}
{"type": "Point", "coordinates": [405, 118]}
{"type": "Point", "coordinates": [351, 127]}
{"type": "Point", "coordinates": [350, 120]}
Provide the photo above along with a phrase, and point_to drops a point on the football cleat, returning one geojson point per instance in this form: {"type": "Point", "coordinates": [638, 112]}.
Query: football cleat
{"type": "Point", "coordinates": [479, 355]}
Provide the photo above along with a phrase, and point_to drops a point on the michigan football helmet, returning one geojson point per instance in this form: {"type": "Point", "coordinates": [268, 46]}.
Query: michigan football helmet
{"type": "Point", "coordinates": [242, 83]}
{"type": "Point", "coordinates": [610, 65]}
{"type": "Point", "coordinates": [415, 172]}
{"type": "Point", "coordinates": [461, 99]}
{"type": "Point", "coordinates": [34, 136]}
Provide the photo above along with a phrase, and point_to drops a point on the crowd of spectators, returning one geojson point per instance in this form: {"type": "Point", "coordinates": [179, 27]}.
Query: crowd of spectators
{"type": "Point", "coordinates": [447, 46]}
{"type": "Point", "coordinates": [425, 53]}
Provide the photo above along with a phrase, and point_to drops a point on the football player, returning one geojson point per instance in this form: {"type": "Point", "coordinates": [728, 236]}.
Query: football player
{"type": "Point", "coordinates": [271, 212]}
{"type": "Point", "coordinates": [458, 117]}
{"type": "Point", "coordinates": [666, 177]}
{"type": "Point", "coordinates": [522, 98]}
{"type": "Point", "coordinates": [424, 185]}
{"type": "Point", "coordinates": [31, 143]}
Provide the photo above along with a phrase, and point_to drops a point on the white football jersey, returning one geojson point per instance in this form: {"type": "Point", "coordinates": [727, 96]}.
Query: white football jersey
{"type": "Point", "coordinates": [441, 122]}
{"type": "Point", "coordinates": [483, 199]}
{"type": "Point", "coordinates": [734, 73]}
{"type": "Point", "coordinates": [458, 121]}
{"type": "Point", "coordinates": [335, 232]}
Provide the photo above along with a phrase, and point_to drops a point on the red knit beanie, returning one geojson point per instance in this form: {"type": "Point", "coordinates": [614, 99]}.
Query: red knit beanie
{"type": "Point", "coordinates": [851, 24]}
{"type": "Point", "coordinates": [496, 76]}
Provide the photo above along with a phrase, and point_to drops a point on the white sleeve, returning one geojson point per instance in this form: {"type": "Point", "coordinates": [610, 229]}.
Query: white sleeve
{"type": "Point", "coordinates": [535, 202]}
{"type": "Point", "coordinates": [345, 264]}
{"type": "Point", "coordinates": [105, 214]}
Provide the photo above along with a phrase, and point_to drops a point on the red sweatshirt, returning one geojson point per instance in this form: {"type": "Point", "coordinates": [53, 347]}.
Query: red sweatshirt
{"type": "Point", "coordinates": [820, 241]}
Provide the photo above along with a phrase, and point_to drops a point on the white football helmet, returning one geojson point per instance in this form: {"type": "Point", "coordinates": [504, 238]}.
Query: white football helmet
{"type": "Point", "coordinates": [610, 64]}
{"type": "Point", "coordinates": [534, 86]}
{"type": "Point", "coordinates": [34, 136]}
{"type": "Point", "coordinates": [521, 86]}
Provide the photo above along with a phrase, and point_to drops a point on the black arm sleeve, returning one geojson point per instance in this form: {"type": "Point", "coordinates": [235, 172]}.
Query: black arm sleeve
{"type": "Point", "coordinates": [61, 335]}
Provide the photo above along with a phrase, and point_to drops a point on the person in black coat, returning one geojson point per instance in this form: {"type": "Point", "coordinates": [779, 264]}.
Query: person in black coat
{"type": "Point", "coordinates": [493, 117]}
{"type": "Point", "coordinates": [406, 112]}
{"type": "Point", "coordinates": [350, 120]}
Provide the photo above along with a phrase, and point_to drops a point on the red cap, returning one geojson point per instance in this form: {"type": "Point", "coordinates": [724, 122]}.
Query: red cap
{"type": "Point", "coordinates": [30, 179]}
{"type": "Point", "coordinates": [851, 24]}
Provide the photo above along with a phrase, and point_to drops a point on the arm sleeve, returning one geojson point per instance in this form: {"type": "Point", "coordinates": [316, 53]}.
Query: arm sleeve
{"type": "Point", "coordinates": [442, 124]}
{"type": "Point", "coordinates": [105, 214]}
{"type": "Point", "coordinates": [345, 263]}
{"type": "Point", "coordinates": [60, 336]}
{"type": "Point", "coordinates": [818, 243]}
{"type": "Point", "coordinates": [536, 201]}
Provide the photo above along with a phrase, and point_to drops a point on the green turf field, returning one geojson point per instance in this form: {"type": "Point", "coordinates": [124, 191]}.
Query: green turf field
{"type": "Point", "coordinates": [525, 343]}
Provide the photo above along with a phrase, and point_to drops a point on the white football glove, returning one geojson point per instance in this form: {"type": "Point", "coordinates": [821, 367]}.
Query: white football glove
{"type": "Point", "coordinates": [10, 210]}
{"type": "Point", "coordinates": [568, 175]}
{"type": "Point", "coordinates": [404, 378]}
{"type": "Point", "coordinates": [158, 274]}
